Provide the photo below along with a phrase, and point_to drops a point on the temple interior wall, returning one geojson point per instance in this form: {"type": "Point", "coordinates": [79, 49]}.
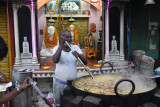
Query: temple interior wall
{"type": "Point", "coordinates": [41, 25]}
{"type": "Point", "coordinates": [81, 23]}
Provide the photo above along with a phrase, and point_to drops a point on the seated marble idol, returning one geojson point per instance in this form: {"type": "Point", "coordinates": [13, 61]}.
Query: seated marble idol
{"type": "Point", "coordinates": [49, 41]}
{"type": "Point", "coordinates": [25, 45]}
{"type": "Point", "coordinates": [114, 46]}
{"type": "Point", "coordinates": [26, 53]}
{"type": "Point", "coordinates": [74, 34]}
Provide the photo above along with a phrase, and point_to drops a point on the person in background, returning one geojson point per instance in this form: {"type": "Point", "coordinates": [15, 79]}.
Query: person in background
{"type": "Point", "coordinates": [8, 96]}
{"type": "Point", "coordinates": [65, 60]}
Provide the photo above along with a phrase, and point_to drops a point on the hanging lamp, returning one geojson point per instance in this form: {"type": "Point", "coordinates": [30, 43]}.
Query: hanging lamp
{"type": "Point", "coordinates": [149, 2]}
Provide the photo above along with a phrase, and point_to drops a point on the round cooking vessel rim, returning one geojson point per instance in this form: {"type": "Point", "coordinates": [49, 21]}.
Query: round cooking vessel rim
{"type": "Point", "coordinates": [140, 76]}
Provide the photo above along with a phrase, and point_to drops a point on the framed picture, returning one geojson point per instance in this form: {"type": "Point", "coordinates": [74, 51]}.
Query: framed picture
{"type": "Point", "coordinates": [51, 7]}
{"type": "Point", "coordinates": [94, 1]}
{"type": "Point", "coordinates": [70, 6]}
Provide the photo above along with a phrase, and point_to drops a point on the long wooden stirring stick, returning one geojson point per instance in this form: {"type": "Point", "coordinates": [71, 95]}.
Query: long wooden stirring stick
{"type": "Point", "coordinates": [81, 62]}
{"type": "Point", "coordinates": [155, 76]}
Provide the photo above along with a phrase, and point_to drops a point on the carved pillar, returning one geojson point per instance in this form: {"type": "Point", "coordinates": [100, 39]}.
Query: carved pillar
{"type": "Point", "coordinates": [16, 34]}
{"type": "Point", "coordinates": [121, 31]}
{"type": "Point", "coordinates": [107, 58]}
{"type": "Point", "coordinates": [33, 26]}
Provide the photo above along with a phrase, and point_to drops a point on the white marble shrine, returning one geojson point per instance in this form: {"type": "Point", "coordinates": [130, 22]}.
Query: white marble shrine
{"type": "Point", "coordinates": [34, 64]}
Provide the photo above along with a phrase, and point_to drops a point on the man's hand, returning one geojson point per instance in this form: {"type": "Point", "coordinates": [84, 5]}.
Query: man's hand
{"type": "Point", "coordinates": [62, 41]}
{"type": "Point", "coordinates": [76, 54]}
{"type": "Point", "coordinates": [25, 84]}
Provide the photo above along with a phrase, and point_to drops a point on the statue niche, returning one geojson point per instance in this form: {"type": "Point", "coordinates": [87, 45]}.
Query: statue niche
{"type": "Point", "coordinates": [49, 41]}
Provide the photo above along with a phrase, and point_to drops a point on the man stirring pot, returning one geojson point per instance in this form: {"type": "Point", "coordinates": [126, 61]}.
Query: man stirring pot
{"type": "Point", "coordinates": [65, 60]}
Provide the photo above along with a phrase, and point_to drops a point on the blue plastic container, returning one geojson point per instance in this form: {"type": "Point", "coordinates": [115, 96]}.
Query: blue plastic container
{"type": "Point", "coordinates": [157, 72]}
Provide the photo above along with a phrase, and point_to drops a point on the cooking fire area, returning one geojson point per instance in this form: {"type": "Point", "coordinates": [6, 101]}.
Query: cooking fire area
{"type": "Point", "coordinates": [111, 90]}
{"type": "Point", "coordinates": [73, 97]}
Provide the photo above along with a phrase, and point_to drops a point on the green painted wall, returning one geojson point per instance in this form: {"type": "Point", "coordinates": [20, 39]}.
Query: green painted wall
{"type": "Point", "coordinates": [139, 33]}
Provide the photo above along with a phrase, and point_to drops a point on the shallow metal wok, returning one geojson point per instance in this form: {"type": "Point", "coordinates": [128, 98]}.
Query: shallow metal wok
{"type": "Point", "coordinates": [131, 99]}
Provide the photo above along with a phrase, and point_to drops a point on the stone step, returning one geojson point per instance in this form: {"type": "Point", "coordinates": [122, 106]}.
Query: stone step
{"type": "Point", "coordinates": [90, 101]}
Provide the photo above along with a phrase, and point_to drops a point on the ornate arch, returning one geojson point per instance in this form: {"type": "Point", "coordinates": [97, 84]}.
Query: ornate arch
{"type": "Point", "coordinates": [40, 3]}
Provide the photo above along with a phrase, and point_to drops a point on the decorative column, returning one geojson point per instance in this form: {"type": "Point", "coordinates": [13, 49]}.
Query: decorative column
{"type": "Point", "coordinates": [34, 49]}
{"type": "Point", "coordinates": [16, 34]}
{"type": "Point", "coordinates": [121, 32]}
{"type": "Point", "coordinates": [107, 58]}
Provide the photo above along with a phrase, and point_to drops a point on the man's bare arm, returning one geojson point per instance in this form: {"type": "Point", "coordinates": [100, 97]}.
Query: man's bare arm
{"type": "Point", "coordinates": [83, 59]}
{"type": "Point", "coordinates": [81, 56]}
{"type": "Point", "coordinates": [9, 96]}
{"type": "Point", "coordinates": [6, 97]}
{"type": "Point", "coordinates": [57, 55]}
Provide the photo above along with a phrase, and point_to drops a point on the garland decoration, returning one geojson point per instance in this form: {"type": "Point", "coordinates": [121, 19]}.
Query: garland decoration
{"type": "Point", "coordinates": [54, 9]}
{"type": "Point", "coordinates": [50, 43]}
{"type": "Point", "coordinates": [62, 21]}
{"type": "Point", "coordinates": [97, 65]}
{"type": "Point", "coordinates": [91, 54]}
{"type": "Point", "coordinates": [46, 67]}
{"type": "Point", "coordinates": [75, 37]}
{"type": "Point", "coordinates": [90, 35]}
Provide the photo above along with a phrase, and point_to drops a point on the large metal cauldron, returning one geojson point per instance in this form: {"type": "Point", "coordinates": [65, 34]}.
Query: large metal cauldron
{"type": "Point", "coordinates": [141, 89]}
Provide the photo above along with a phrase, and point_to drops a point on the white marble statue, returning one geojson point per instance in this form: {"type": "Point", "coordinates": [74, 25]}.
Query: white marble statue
{"type": "Point", "coordinates": [72, 31]}
{"type": "Point", "coordinates": [44, 50]}
{"type": "Point", "coordinates": [25, 45]}
{"type": "Point", "coordinates": [114, 45]}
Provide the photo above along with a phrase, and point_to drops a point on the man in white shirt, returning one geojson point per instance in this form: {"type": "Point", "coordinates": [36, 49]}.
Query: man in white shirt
{"type": "Point", "coordinates": [65, 60]}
